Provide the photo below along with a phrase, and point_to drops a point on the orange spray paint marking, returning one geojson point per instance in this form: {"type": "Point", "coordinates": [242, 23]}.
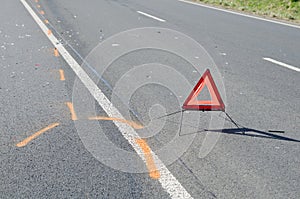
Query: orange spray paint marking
{"type": "Point", "coordinates": [153, 171]}
{"type": "Point", "coordinates": [56, 53]}
{"type": "Point", "coordinates": [133, 124]}
{"type": "Point", "coordinates": [36, 1]}
{"type": "Point", "coordinates": [72, 110]}
{"type": "Point", "coordinates": [62, 75]}
{"type": "Point", "coordinates": [42, 12]}
{"type": "Point", "coordinates": [49, 32]}
{"type": "Point", "coordinates": [35, 135]}
{"type": "Point", "coordinates": [46, 21]}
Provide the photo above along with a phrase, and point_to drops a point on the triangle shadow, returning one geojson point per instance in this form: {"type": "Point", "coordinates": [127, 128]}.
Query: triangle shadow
{"type": "Point", "coordinates": [243, 132]}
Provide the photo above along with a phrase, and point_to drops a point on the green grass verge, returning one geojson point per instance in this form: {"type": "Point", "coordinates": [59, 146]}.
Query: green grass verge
{"type": "Point", "coordinates": [280, 9]}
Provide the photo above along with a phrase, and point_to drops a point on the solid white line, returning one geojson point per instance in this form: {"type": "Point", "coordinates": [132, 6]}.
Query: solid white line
{"type": "Point", "coordinates": [151, 16]}
{"type": "Point", "coordinates": [282, 64]}
{"type": "Point", "coordinates": [241, 14]}
{"type": "Point", "coordinates": [168, 182]}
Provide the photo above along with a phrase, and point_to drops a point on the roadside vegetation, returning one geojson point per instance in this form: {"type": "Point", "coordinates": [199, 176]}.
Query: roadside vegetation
{"type": "Point", "coordinates": [280, 9]}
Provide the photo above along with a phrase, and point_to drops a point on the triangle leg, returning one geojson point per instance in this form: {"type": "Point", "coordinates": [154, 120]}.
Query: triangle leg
{"type": "Point", "coordinates": [236, 124]}
{"type": "Point", "coordinates": [181, 120]}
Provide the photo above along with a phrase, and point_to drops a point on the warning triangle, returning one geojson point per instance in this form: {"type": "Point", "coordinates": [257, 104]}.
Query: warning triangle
{"type": "Point", "coordinates": [215, 104]}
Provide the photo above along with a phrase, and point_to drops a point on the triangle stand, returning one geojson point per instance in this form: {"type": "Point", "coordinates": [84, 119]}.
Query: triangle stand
{"type": "Point", "coordinates": [226, 114]}
{"type": "Point", "coordinates": [182, 114]}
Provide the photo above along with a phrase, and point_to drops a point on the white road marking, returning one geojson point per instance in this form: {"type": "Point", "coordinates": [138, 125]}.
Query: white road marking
{"type": "Point", "coordinates": [151, 16]}
{"type": "Point", "coordinates": [168, 182]}
{"type": "Point", "coordinates": [241, 14]}
{"type": "Point", "coordinates": [282, 64]}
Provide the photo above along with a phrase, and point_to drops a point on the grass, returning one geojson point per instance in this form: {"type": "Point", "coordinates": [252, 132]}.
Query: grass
{"type": "Point", "coordinates": [280, 9]}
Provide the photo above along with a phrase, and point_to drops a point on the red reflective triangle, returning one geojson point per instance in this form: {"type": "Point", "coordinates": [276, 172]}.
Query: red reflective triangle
{"type": "Point", "coordinates": [215, 104]}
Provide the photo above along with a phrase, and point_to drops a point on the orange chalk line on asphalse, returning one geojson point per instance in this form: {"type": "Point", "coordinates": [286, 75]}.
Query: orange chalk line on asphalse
{"type": "Point", "coordinates": [153, 171]}
{"type": "Point", "coordinates": [133, 124]}
{"type": "Point", "coordinates": [56, 53]}
{"type": "Point", "coordinates": [62, 75]}
{"type": "Point", "coordinates": [72, 110]}
{"type": "Point", "coordinates": [35, 135]}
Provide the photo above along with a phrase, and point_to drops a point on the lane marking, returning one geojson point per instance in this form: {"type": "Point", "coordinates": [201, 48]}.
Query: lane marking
{"type": "Point", "coordinates": [133, 124]}
{"type": "Point", "coordinates": [62, 75]}
{"type": "Point", "coordinates": [151, 16]}
{"type": "Point", "coordinates": [35, 135]}
{"type": "Point", "coordinates": [56, 53]}
{"type": "Point", "coordinates": [240, 14]}
{"type": "Point", "coordinates": [72, 111]}
{"type": "Point", "coordinates": [153, 171]}
{"type": "Point", "coordinates": [282, 64]}
{"type": "Point", "coordinates": [167, 180]}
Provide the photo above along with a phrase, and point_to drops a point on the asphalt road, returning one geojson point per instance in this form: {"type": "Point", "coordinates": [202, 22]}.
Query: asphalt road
{"type": "Point", "coordinates": [68, 161]}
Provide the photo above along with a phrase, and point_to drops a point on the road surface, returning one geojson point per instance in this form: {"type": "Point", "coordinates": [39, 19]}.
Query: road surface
{"type": "Point", "coordinates": [44, 126]}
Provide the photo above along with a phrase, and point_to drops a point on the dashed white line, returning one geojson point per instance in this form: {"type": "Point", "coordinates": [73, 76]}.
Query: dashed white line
{"type": "Point", "coordinates": [151, 16]}
{"type": "Point", "coordinates": [168, 182]}
{"type": "Point", "coordinates": [282, 64]}
{"type": "Point", "coordinates": [241, 14]}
